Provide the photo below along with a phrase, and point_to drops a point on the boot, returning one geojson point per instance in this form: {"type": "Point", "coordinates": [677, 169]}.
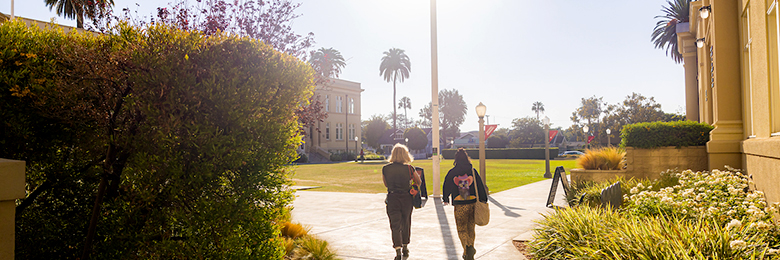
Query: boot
{"type": "Point", "coordinates": [405, 251]}
{"type": "Point", "coordinates": [397, 253]}
{"type": "Point", "coordinates": [469, 253]}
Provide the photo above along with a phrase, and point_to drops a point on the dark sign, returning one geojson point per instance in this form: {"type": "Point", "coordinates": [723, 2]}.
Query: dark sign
{"type": "Point", "coordinates": [560, 175]}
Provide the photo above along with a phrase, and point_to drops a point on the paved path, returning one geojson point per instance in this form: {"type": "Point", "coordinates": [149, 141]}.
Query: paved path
{"type": "Point", "coordinates": [356, 226]}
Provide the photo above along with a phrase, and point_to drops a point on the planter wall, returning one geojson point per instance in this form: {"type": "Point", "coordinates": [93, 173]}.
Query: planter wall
{"type": "Point", "coordinates": [649, 163]}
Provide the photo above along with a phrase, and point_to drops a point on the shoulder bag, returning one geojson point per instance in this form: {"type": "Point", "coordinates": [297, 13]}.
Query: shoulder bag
{"type": "Point", "coordinates": [414, 190]}
{"type": "Point", "coordinates": [481, 209]}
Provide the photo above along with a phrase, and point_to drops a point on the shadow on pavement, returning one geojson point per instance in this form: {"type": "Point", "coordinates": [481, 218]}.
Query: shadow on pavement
{"type": "Point", "coordinates": [446, 234]}
{"type": "Point", "coordinates": [508, 212]}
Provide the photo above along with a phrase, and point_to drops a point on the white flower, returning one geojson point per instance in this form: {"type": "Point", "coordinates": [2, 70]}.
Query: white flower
{"type": "Point", "coordinates": [634, 190]}
{"type": "Point", "coordinates": [734, 223]}
{"type": "Point", "coordinates": [737, 244]}
{"type": "Point", "coordinates": [639, 185]}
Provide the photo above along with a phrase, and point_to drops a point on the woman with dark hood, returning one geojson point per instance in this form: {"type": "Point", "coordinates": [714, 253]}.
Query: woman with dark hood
{"type": "Point", "coordinates": [460, 185]}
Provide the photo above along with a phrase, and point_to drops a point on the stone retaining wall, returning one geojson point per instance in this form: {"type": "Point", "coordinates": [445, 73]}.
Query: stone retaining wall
{"type": "Point", "coordinates": [649, 163]}
{"type": "Point", "coordinates": [11, 188]}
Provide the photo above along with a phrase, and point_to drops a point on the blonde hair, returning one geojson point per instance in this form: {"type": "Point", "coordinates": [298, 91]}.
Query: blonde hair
{"type": "Point", "coordinates": [400, 154]}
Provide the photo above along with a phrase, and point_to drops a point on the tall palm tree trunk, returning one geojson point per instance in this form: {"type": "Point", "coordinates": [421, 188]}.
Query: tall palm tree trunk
{"type": "Point", "coordinates": [394, 109]}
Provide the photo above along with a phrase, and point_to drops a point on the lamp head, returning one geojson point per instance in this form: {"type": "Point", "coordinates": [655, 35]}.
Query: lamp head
{"type": "Point", "coordinates": [700, 42]}
{"type": "Point", "coordinates": [481, 109]}
{"type": "Point", "coordinates": [356, 138]}
{"type": "Point", "coordinates": [704, 12]}
{"type": "Point", "coordinates": [546, 120]}
{"type": "Point", "coordinates": [609, 131]}
{"type": "Point", "coordinates": [585, 128]}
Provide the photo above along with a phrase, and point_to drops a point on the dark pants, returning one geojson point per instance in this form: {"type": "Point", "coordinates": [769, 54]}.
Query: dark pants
{"type": "Point", "coordinates": [399, 211]}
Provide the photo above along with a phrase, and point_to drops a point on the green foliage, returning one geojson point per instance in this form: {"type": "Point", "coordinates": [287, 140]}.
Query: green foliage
{"type": "Point", "coordinates": [339, 156]}
{"type": "Point", "coordinates": [507, 153]}
{"type": "Point", "coordinates": [690, 215]}
{"type": "Point", "coordinates": [606, 158]}
{"type": "Point", "coordinates": [311, 248]}
{"type": "Point", "coordinates": [527, 130]}
{"type": "Point", "coordinates": [417, 138]}
{"type": "Point", "coordinates": [189, 134]}
{"type": "Point", "coordinates": [660, 134]}
{"type": "Point", "coordinates": [374, 130]}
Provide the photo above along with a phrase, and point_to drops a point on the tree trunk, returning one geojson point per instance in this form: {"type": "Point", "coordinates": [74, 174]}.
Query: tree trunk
{"type": "Point", "coordinates": [394, 111]}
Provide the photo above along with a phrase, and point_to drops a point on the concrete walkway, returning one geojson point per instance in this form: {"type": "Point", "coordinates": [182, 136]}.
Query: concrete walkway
{"type": "Point", "coordinates": [356, 226]}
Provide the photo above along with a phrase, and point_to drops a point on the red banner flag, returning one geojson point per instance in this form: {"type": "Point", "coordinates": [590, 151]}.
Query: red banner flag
{"type": "Point", "coordinates": [590, 138]}
{"type": "Point", "coordinates": [553, 133]}
{"type": "Point", "coordinates": [489, 130]}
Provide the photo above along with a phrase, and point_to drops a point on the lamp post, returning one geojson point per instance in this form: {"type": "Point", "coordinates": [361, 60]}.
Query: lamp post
{"type": "Point", "coordinates": [585, 128]}
{"type": "Point", "coordinates": [609, 143]}
{"type": "Point", "coordinates": [481, 109]}
{"type": "Point", "coordinates": [435, 103]}
{"type": "Point", "coordinates": [546, 122]}
{"type": "Point", "coordinates": [356, 149]}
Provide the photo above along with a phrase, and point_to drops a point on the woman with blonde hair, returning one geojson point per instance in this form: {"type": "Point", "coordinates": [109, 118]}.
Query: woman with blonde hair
{"type": "Point", "coordinates": [398, 176]}
{"type": "Point", "coordinates": [461, 186]}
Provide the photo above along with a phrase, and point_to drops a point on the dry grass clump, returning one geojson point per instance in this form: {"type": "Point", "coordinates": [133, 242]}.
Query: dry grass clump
{"type": "Point", "coordinates": [606, 158]}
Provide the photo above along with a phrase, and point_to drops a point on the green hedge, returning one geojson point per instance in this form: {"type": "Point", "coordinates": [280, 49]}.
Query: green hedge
{"type": "Point", "coordinates": [508, 153]}
{"type": "Point", "coordinates": [660, 134]}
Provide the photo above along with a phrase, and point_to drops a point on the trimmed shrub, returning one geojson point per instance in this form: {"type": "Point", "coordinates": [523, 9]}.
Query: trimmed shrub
{"type": "Point", "coordinates": [660, 134]}
{"type": "Point", "coordinates": [606, 158]}
{"type": "Point", "coordinates": [340, 156]}
{"type": "Point", "coordinates": [507, 153]}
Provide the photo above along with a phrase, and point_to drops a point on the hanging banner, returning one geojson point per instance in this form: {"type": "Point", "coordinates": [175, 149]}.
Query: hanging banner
{"type": "Point", "coordinates": [489, 130]}
{"type": "Point", "coordinates": [553, 133]}
{"type": "Point", "coordinates": [590, 138]}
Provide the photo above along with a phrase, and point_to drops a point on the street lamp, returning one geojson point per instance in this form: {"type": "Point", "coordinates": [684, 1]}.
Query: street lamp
{"type": "Point", "coordinates": [546, 122]}
{"type": "Point", "coordinates": [481, 109]}
{"type": "Point", "coordinates": [608, 137]}
{"type": "Point", "coordinates": [356, 149]}
{"type": "Point", "coordinates": [585, 128]}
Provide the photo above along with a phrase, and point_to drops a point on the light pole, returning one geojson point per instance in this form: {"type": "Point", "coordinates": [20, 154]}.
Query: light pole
{"type": "Point", "coordinates": [435, 103]}
{"type": "Point", "coordinates": [357, 154]}
{"type": "Point", "coordinates": [546, 122]}
{"type": "Point", "coordinates": [587, 140]}
{"type": "Point", "coordinates": [481, 109]}
{"type": "Point", "coordinates": [608, 137]}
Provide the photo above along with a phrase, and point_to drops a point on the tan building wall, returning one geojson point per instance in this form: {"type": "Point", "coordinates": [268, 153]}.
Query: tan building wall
{"type": "Point", "coordinates": [341, 100]}
{"type": "Point", "coordinates": [738, 83]}
{"type": "Point", "coordinates": [11, 188]}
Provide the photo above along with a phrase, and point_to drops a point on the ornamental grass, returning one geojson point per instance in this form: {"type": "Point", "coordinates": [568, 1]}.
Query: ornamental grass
{"type": "Point", "coordinates": [605, 158]}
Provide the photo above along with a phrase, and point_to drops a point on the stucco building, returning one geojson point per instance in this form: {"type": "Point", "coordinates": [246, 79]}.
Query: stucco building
{"type": "Point", "coordinates": [341, 100]}
{"type": "Point", "coordinates": [732, 79]}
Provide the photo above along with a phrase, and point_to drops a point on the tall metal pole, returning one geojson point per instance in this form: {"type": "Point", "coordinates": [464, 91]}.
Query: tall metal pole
{"type": "Point", "coordinates": [482, 149]}
{"type": "Point", "coordinates": [346, 122]}
{"type": "Point", "coordinates": [12, 9]}
{"type": "Point", "coordinates": [435, 103]}
{"type": "Point", "coordinates": [547, 173]}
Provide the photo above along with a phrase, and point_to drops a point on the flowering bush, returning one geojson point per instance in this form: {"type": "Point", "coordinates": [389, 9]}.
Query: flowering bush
{"type": "Point", "coordinates": [690, 215]}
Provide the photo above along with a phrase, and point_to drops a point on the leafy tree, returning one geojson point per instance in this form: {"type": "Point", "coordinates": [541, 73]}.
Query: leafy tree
{"type": "Point", "coordinates": [497, 141]}
{"type": "Point", "coordinates": [538, 108]}
{"type": "Point", "coordinates": [665, 32]}
{"type": "Point", "coordinates": [417, 138]}
{"type": "Point", "coordinates": [327, 63]}
{"type": "Point", "coordinates": [405, 103]}
{"type": "Point", "coordinates": [637, 108]}
{"type": "Point", "coordinates": [395, 65]}
{"type": "Point", "coordinates": [452, 112]}
{"type": "Point", "coordinates": [670, 117]}
{"type": "Point", "coordinates": [79, 8]}
{"type": "Point", "coordinates": [167, 134]}
{"type": "Point", "coordinates": [526, 130]}
{"type": "Point", "coordinates": [374, 130]}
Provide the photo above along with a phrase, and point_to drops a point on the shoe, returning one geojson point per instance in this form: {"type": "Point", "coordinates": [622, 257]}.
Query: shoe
{"type": "Point", "coordinates": [469, 253]}
{"type": "Point", "coordinates": [397, 257]}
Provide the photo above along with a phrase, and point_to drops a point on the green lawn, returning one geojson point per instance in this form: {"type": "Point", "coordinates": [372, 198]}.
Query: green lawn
{"type": "Point", "coordinates": [502, 174]}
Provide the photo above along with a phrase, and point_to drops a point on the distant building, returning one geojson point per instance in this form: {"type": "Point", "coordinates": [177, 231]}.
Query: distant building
{"type": "Point", "coordinates": [732, 81]}
{"type": "Point", "coordinates": [341, 100]}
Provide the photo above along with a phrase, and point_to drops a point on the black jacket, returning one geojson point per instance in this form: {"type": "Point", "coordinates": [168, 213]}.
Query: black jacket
{"type": "Point", "coordinates": [450, 188]}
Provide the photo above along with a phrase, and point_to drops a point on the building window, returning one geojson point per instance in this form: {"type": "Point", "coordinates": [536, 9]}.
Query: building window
{"type": "Point", "coordinates": [747, 82]}
{"type": "Point", "coordinates": [327, 131]}
{"type": "Point", "coordinates": [339, 131]}
{"type": "Point", "coordinates": [351, 132]}
{"type": "Point", "coordinates": [351, 107]}
{"type": "Point", "coordinates": [773, 37]}
{"type": "Point", "coordinates": [338, 104]}
{"type": "Point", "coordinates": [327, 103]}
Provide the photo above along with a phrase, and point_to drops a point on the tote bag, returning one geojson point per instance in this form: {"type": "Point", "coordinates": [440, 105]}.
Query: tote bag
{"type": "Point", "coordinates": [481, 209]}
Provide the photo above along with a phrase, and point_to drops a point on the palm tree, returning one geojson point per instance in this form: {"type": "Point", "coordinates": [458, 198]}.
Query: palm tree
{"type": "Point", "coordinates": [405, 103]}
{"type": "Point", "coordinates": [665, 31]}
{"type": "Point", "coordinates": [395, 64]}
{"type": "Point", "coordinates": [327, 62]}
{"type": "Point", "coordinates": [78, 8]}
{"type": "Point", "coordinates": [538, 107]}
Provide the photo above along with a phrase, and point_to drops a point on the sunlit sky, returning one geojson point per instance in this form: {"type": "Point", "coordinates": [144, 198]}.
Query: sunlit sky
{"type": "Point", "coordinates": [504, 53]}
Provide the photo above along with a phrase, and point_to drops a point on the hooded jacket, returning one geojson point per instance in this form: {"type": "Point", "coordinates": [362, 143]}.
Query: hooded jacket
{"type": "Point", "coordinates": [463, 173]}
